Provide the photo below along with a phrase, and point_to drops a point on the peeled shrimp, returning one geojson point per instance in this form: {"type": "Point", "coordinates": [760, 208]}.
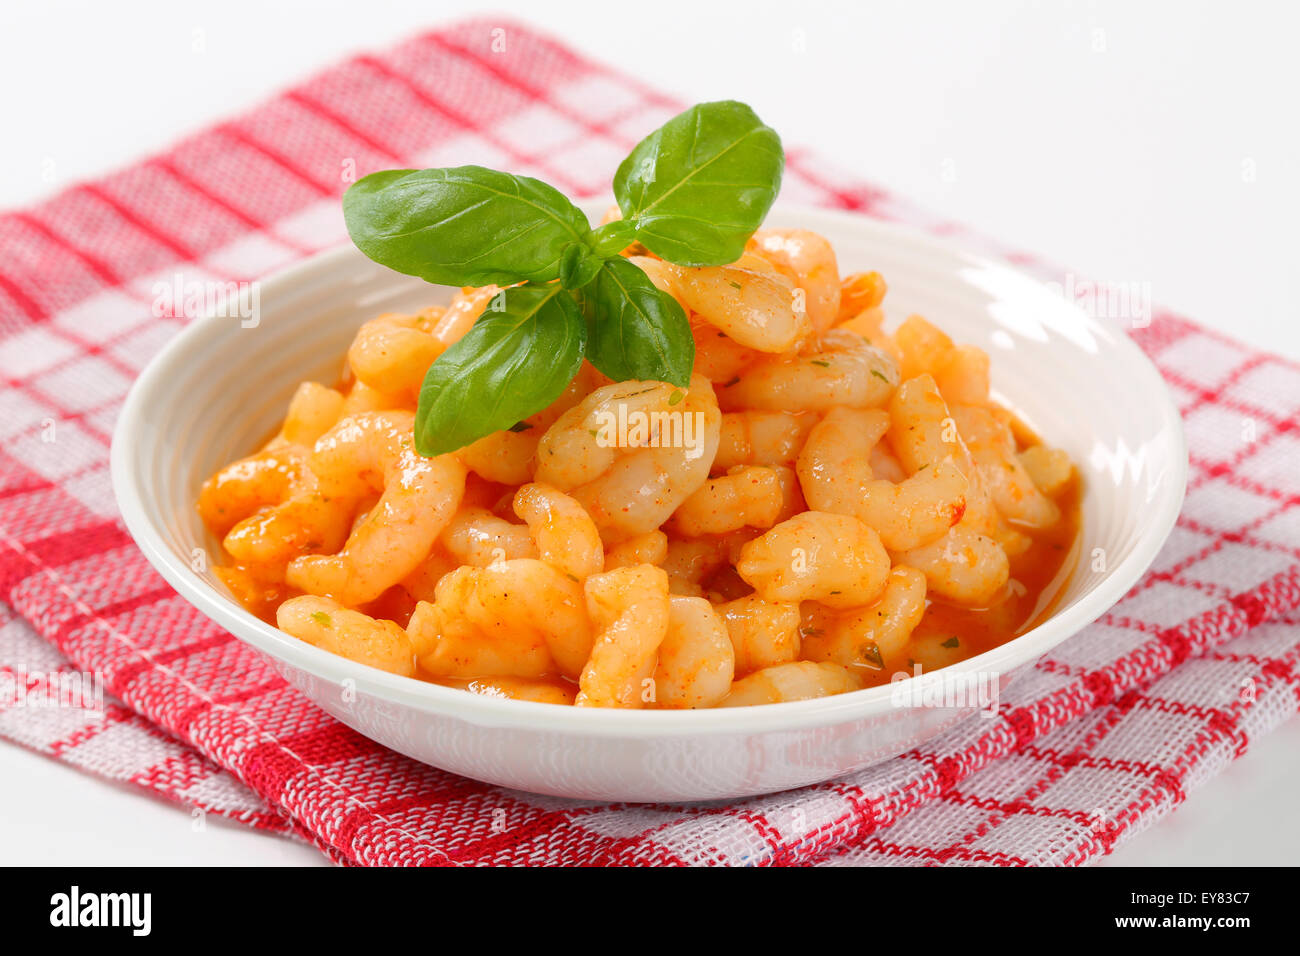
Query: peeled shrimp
{"type": "Point", "coordinates": [362, 398]}
{"type": "Point", "coordinates": [869, 638]}
{"type": "Point", "coordinates": [688, 561]}
{"type": "Point", "coordinates": [923, 433]}
{"type": "Point", "coordinates": [808, 260]}
{"type": "Point", "coordinates": [745, 497]}
{"type": "Point", "coordinates": [566, 536]}
{"type": "Point", "coordinates": [629, 608]}
{"type": "Point", "coordinates": [961, 372]}
{"type": "Point", "coordinates": [332, 627]}
{"type": "Point", "coordinates": [376, 452]}
{"type": "Point", "coordinates": [1048, 468]}
{"type": "Point", "coordinates": [815, 556]}
{"type": "Point", "coordinates": [835, 474]}
{"type": "Point", "coordinates": [313, 410]}
{"type": "Point", "coordinates": [632, 452]}
{"type": "Point", "coordinates": [963, 566]}
{"type": "Point", "coordinates": [393, 352]}
{"type": "Point", "coordinates": [269, 508]}
{"type": "Point", "coordinates": [749, 300]}
{"type": "Point", "coordinates": [859, 292]}
{"type": "Point", "coordinates": [648, 548]}
{"type": "Point", "coordinates": [840, 369]}
{"type": "Point", "coordinates": [800, 680]}
{"type": "Point", "coordinates": [993, 449]}
{"type": "Point", "coordinates": [477, 537]}
{"type": "Point", "coordinates": [762, 632]}
{"type": "Point", "coordinates": [696, 662]}
{"type": "Point", "coordinates": [718, 357]}
{"type": "Point", "coordinates": [761, 438]}
{"type": "Point", "coordinates": [519, 618]}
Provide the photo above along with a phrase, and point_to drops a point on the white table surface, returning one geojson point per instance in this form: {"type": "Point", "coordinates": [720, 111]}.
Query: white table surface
{"type": "Point", "coordinates": [1149, 142]}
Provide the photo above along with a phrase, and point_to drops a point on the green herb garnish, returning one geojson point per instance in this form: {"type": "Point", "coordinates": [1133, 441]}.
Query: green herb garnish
{"type": "Point", "coordinates": [692, 192]}
{"type": "Point", "coordinates": [870, 654]}
{"type": "Point", "coordinates": [952, 642]}
{"type": "Point", "coordinates": [321, 618]}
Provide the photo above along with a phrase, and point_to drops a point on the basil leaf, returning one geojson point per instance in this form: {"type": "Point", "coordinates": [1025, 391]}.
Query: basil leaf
{"type": "Point", "coordinates": [611, 238]}
{"type": "Point", "coordinates": [634, 330]}
{"type": "Point", "coordinates": [462, 226]}
{"type": "Point", "coordinates": [578, 266]}
{"type": "Point", "coordinates": [509, 365]}
{"type": "Point", "coordinates": [698, 187]}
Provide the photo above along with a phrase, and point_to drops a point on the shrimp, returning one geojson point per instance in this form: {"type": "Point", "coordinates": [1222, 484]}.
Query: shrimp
{"type": "Point", "coordinates": [761, 438]}
{"type": "Point", "coordinates": [762, 633]}
{"type": "Point", "coordinates": [719, 357]}
{"type": "Point", "coordinates": [841, 369]}
{"type": "Point", "coordinates": [632, 452]}
{"type": "Point", "coordinates": [1048, 468]}
{"type": "Point", "coordinates": [924, 433]}
{"type": "Point", "coordinates": [746, 496]}
{"type": "Point", "coordinates": [313, 410]}
{"type": "Point", "coordinates": [329, 625]}
{"type": "Point", "coordinates": [362, 398]}
{"type": "Point", "coordinates": [815, 556]}
{"type": "Point", "coordinates": [868, 639]}
{"type": "Point", "coordinates": [922, 346]}
{"type": "Point", "coordinates": [566, 537]}
{"type": "Point", "coordinates": [749, 300]}
{"type": "Point", "coordinates": [519, 618]}
{"type": "Point", "coordinates": [392, 352]}
{"type": "Point", "coordinates": [368, 453]}
{"type": "Point", "coordinates": [835, 474]}
{"type": "Point", "coordinates": [807, 260]}
{"type": "Point", "coordinates": [660, 273]}
{"type": "Point", "coordinates": [963, 566]}
{"type": "Point", "coordinates": [800, 680]}
{"type": "Point", "coordinates": [241, 488]}
{"type": "Point", "coordinates": [477, 537]}
{"type": "Point", "coordinates": [993, 449]}
{"type": "Point", "coordinates": [792, 497]}
{"type": "Point", "coordinates": [859, 292]}
{"type": "Point", "coordinates": [648, 548]}
{"type": "Point", "coordinates": [268, 508]}
{"type": "Point", "coordinates": [422, 583]}
{"type": "Point", "coordinates": [688, 561]}
{"type": "Point", "coordinates": [962, 375]}
{"type": "Point", "coordinates": [696, 662]}
{"type": "Point", "coordinates": [629, 609]}
{"type": "Point", "coordinates": [515, 688]}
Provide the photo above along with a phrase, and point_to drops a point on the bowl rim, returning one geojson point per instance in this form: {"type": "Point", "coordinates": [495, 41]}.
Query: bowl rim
{"type": "Point", "coordinates": [492, 711]}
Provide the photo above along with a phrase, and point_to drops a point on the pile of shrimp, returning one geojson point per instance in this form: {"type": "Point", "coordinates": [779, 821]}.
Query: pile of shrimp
{"type": "Point", "coordinates": [840, 481]}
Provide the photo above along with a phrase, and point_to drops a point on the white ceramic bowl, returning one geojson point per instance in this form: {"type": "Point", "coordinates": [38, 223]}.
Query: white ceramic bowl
{"type": "Point", "coordinates": [218, 389]}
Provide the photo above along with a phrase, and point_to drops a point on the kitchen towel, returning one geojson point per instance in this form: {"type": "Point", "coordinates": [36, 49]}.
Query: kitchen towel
{"type": "Point", "coordinates": [104, 666]}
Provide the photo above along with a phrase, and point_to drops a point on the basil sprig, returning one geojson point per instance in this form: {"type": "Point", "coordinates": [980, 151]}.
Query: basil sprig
{"type": "Point", "coordinates": [692, 192]}
{"type": "Point", "coordinates": [513, 361]}
{"type": "Point", "coordinates": [698, 187]}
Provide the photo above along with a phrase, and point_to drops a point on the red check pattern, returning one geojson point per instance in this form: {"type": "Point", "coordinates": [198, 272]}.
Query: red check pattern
{"type": "Point", "coordinates": [1096, 742]}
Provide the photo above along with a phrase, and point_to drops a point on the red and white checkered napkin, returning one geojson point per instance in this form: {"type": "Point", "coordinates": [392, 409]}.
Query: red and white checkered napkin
{"type": "Point", "coordinates": [1095, 743]}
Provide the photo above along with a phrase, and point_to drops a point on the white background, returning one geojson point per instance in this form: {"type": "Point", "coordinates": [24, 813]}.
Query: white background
{"type": "Point", "coordinates": [1134, 142]}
